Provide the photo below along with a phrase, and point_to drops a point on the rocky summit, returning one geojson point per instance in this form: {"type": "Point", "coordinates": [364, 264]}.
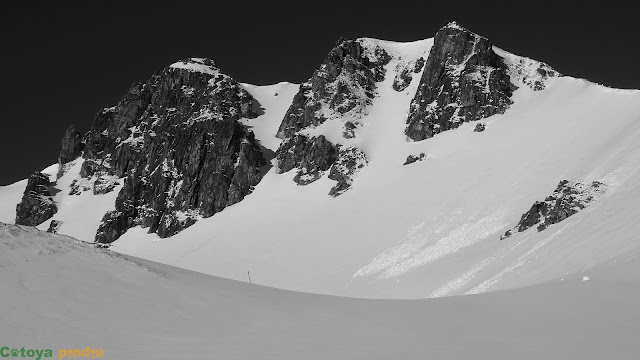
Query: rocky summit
{"type": "Point", "coordinates": [463, 80]}
{"type": "Point", "coordinates": [177, 142]}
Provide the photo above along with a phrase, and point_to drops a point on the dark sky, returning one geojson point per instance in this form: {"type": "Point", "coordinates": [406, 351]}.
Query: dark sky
{"type": "Point", "coordinates": [61, 63]}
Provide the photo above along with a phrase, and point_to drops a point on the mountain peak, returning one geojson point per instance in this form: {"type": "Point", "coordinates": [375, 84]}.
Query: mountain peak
{"type": "Point", "coordinates": [202, 65]}
{"type": "Point", "coordinates": [453, 25]}
{"type": "Point", "coordinates": [457, 28]}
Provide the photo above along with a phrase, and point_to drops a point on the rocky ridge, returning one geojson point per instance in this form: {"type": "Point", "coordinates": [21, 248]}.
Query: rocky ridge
{"type": "Point", "coordinates": [340, 90]}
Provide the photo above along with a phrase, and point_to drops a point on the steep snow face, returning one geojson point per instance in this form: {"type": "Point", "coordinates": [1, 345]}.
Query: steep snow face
{"type": "Point", "coordinates": [274, 100]}
{"type": "Point", "coordinates": [59, 293]}
{"type": "Point", "coordinates": [402, 55]}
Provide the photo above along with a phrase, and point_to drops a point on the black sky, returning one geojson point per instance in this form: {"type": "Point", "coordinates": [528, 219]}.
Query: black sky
{"type": "Point", "coordinates": [63, 62]}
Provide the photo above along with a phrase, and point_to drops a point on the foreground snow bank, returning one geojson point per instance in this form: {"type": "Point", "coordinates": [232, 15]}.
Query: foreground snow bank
{"type": "Point", "coordinates": [62, 293]}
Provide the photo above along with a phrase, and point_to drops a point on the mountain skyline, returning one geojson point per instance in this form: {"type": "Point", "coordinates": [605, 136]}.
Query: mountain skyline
{"type": "Point", "coordinates": [92, 69]}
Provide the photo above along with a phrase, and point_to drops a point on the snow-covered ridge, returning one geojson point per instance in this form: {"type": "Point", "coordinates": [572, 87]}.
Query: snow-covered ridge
{"type": "Point", "coordinates": [525, 71]}
{"type": "Point", "coordinates": [83, 293]}
{"type": "Point", "coordinates": [202, 65]}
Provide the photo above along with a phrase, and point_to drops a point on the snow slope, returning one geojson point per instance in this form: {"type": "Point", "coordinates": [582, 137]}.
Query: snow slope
{"type": "Point", "coordinates": [274, 100]}
{"type": "Point", "coordinates": [62, 293]}
{"type": "Point", "coordinates": [432, 228]}
{"type": "Point", "coordinates": [427, 229]}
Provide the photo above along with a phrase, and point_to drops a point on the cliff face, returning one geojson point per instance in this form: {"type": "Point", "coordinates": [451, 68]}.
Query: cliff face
{"type": "Point", "coordinates": [177, 142]}
{"type": "Point", "coordinates": [36, 205]}
{"type": "Point", "coordinates": [463, 80]}
{"type": "Point", "coordinates": [72, 145]}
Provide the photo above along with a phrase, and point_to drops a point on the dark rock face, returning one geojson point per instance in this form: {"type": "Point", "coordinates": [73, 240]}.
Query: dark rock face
{"type": "Point", "coordinates": [113, 225]}
{"type": "Point", "coordinates": [350, 161]}
{"type": "Point", "coordinates": [480, 127]}
{"type": "Point", "coordinates": [418, 65]}
{"type": "Point", "coordinates": [341, 88]}
{"type": "Point", "coordinates": [566, 200]}
{"type": "Point", "coordinates": [71, 148]}
{"type": "Point", "coordinates": [314, 156]}
{"type": "Point", "coordinates": [178, 143]}
{"type": "Point", "coordinates": [413, 158]}
{"type": "Point", "coordinates": [463, 80]}
{"type": "Point", "coordinates": [311, 156]}
{"type": "Point", "coordinates": [36, 205]}
{"type": "Point", "coordinates": [402, 79]}
{"type": "Point", "coordinates": [54, 226]}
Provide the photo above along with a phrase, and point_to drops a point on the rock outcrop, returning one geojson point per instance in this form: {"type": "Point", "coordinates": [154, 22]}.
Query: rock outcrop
{"type": "Point", "coordinates": [36, 206]}
{"type": "Point", "coordinates": [72, 145]}
{"type": "Point", "coordinates": [463, 80]}
{"type": "Point", "coordinates": [404, 73]}
{"type": "Point", "coordinates": [567, 200]}
{"type": "Point", "coordinates": [350, 161]}
{"type": "Point", "coordinates": [312, 157]}
{"type": "Point", "coordinates": [54, 226]}
{"type": "Point", "coordinates": [341, 88]}
{"type": "Point", "coordinates": [413, 158]}
{"type": "Point", "coordinates": [177, 143]}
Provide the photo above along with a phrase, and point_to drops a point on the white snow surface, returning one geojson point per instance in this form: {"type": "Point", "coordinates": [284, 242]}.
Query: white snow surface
{"type": "Point", "coordinates": [427, 229]}
{"type": "Point", "coordinates": [10, 196]}
{"type": "Point", "coordinates": [197, 65]}
{"type": "Point", "coordinates": [274, 100]}
{"type": "Point", "coordinates": [60, 293]}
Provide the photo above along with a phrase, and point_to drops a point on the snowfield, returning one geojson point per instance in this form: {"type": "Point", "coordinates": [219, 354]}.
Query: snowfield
{"type": "Point", "coordinates": [427, 229]}
{"type": "Point", "coordinates": [58, 292]}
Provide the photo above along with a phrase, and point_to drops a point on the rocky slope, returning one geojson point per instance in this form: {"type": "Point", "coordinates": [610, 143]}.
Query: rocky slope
{"type": "Point", "coordinates": [567, 200]}
{"type": "Point", "coordinates": [340, 91]}
{"type": "Point", "coordinates": [177, 142]}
